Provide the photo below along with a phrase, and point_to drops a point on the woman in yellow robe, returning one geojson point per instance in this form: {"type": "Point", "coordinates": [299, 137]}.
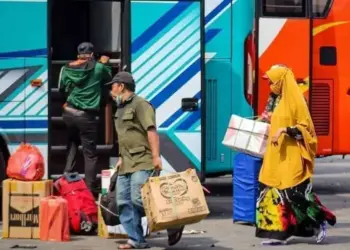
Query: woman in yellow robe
{"type": "Point", "coordinates": [287, 206]}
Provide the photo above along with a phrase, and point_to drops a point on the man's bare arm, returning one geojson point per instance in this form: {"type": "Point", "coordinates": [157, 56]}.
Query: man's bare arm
{"type": "Point", "coordinates": [153, 139]}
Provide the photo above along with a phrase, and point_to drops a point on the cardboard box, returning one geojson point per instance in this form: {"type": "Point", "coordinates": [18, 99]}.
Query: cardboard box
{"type": "Point", "coordinates": [21, 201]}
{"type": "Point", "coordinates": [115, 232]}
{"type": "Point", "coordinates": [106, 176]}
{"type": "Point", "coordinates": [174, 200]}
{"type": "Point", "coordinates": [247, 136]}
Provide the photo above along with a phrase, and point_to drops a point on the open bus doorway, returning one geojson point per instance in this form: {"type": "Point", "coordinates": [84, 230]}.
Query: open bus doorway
{"type": "Point", "coordinates": [70, 23]}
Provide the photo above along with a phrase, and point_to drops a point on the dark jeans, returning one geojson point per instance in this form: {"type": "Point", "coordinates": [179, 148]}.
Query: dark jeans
{"type": "Point", "coordinates": [81, 127]}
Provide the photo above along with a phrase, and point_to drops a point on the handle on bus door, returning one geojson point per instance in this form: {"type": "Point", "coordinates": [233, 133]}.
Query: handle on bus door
{"type": "Point", "coordinates": [36, 83]}
{"type": "Point", "coordinates": [189, 104]}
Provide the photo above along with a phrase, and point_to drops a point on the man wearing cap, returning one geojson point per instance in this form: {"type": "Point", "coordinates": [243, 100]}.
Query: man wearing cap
{"type": "Point", "coordinates": [139, 157]}
{"type": "Point", "coordinates": [82, 81]}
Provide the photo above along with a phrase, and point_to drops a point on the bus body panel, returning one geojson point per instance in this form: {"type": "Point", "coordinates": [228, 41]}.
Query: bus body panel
{"type": "Point", "coordinates": [23, 58]}
{"type": "Point", "coordinates": [331, 72]}
{"type": "Point", "coordinates": [320, 52]}
{"type": "Point", "coordinates": [218, 89]}
{"type": "Point", "coordinates": [227, 24]}
{"type": "Point", "coordinates": [166, 62]}
{"type": "Point", "coordinates": [278, 44]}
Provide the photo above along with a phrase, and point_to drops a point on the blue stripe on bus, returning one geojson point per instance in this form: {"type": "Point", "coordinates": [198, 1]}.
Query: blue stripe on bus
{"type": "Point", "coordinates": [177, 114]}
{"type": "Point", "coordinates": [175, 85]}
{"type": "Point", "coordinates": [20, 124]}
{"type": "Point", "coordinates": [217, 10]}
{"type": "Point", "coordinates": [190, 120]}
{"type": "Point", "coordinates": [24, 53]}
{"type": "Point", "coordinates": [158, 26]}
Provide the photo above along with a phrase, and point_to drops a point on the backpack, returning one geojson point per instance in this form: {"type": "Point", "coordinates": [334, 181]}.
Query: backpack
{"type": "Point", "coordinates": [82, 208]}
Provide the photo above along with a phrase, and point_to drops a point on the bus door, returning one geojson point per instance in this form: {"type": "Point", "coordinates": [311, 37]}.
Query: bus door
{"type": "Point", "coordinates": [330, 91]}
{"type": "Point", "coordinates": [283, 37]}
{"type": "Point", "coordinates": [167, 64]}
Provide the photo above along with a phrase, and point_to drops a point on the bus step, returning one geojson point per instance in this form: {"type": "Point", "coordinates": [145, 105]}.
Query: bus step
{"type": "Point", "coordinates": [56, 95]}
{"type": "Point", "coordinates": [56, 176]}
{"type": "Point", "coordinates": [112, 62]}
{"type": "Point", "coordinates": [101, 150]}
{"type": "Point", "coordinates": [59, 119]}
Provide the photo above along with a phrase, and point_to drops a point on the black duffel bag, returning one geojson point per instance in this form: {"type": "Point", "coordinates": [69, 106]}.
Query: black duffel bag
{"type": "Point", "coordinates": [108, 203]}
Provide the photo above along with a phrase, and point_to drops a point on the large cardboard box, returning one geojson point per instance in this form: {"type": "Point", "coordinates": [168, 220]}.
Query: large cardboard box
{"type": "Point", "coordinates": [174, 200]}
{"type": "Point", "coordinates": [115, 232]}
{"type": "Point", "coordinates": [247, 136]}
{"type": "Point", "coordinates": [21, 201]}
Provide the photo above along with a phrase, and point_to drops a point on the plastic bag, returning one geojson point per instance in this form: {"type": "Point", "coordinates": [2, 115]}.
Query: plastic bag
{"type": "Point", "coordinates": [26, 164]}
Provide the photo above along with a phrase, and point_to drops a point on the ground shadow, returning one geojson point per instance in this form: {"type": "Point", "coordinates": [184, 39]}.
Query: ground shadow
{"type": "Point", "coordinates": [330, 240]}
{"type": "Point", "coordinates": [220, 198]}
{"type": "Point", "coordinates": [188, 242]}
{"type": "Point", "coordinates": [342, 225]}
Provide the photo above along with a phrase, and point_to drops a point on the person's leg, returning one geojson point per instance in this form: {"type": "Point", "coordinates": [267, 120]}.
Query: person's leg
{"type": "Point", "coordinates": [137, 180]}
{"type": "Point", "coordinates": [174, 235]}
{"type": "Point", "coordinates": [125, 208]}
{"type": "Point", "coordinates": [310, 219]}
{"type": "Point", "coordinates": [268, 216]}
{"type": "Point", "coordinates": [88, 134]}
{"type": "Point", "coordinates": [73, 141]}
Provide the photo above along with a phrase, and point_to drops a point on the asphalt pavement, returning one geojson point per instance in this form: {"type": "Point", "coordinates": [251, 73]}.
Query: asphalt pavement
{"type": "Point", "coordinates": [218, 232]}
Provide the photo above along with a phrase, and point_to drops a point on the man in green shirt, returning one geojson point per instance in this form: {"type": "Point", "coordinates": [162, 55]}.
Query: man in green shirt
{"type": "Point", "coordinates": [139, 157]}
{"type": "Point", "coordinates": [82, 82]}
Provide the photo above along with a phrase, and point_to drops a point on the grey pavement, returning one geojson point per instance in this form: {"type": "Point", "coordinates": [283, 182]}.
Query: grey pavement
{"type": "Point", "coordinates": [331, 181]}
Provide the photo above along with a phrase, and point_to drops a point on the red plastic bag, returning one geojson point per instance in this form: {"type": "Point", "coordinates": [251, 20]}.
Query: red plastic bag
{"type": "Point", "coordinates": [54, 221]}
{"type": "Point", "coordinates": [26, 164]}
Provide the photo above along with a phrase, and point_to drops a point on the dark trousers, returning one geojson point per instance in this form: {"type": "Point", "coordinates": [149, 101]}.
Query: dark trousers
{"type": "Point", "coordinates": [81, 127]}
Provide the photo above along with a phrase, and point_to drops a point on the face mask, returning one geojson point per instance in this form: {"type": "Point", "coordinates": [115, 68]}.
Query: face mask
{"type": "Point", "coordinates": [118, 100]}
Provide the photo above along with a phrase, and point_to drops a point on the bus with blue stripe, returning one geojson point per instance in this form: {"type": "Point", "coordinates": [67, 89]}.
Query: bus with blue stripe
{"type": "Point", "coordinates": [187, 58]}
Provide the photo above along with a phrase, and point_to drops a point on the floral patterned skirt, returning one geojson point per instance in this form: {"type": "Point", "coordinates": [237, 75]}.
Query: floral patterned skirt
{"type": "Point", "coordinates": [294, 211]}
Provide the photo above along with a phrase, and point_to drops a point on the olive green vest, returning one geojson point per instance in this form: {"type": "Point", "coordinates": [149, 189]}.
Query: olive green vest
{"type": "Point", "coordinates": [134, 148]}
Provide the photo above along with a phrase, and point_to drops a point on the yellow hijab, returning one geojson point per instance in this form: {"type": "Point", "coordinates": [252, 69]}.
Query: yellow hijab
{"type": "Point", "coordinates": [290, 162]}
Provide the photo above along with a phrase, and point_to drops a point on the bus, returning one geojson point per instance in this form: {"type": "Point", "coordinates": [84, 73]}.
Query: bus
{"type": "Point", "coordinates": [310, 37]}
{"type": "Point", "coordinates": [186, 56]}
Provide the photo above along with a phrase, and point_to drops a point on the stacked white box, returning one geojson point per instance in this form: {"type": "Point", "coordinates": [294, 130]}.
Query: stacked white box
{"type": "Point", "coordinates": [247, 136]}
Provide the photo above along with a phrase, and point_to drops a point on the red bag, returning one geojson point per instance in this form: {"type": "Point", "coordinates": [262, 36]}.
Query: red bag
{"type": "Point", "coordinates": [82, 208]}
{"type": "Point", "coordinates": [54, 223]}
{"type": "Point", "coordinates": [26, 164]}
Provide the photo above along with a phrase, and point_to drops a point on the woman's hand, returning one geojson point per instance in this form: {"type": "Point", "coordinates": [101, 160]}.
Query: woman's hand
{"type": "Point", "coordinates": [278, 135]}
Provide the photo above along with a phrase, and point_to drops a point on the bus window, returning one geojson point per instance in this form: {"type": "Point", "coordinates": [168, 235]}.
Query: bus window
{"type": "Point", "coordinates": [320, 8]}
{"type": "Point", "coordinates": [284, 8]}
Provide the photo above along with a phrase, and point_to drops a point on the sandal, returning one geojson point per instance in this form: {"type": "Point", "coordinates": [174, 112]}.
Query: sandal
{"type": "Point", "coordinates": [273, 242]}
{"type": "Point", "coordinates": [174, 238]}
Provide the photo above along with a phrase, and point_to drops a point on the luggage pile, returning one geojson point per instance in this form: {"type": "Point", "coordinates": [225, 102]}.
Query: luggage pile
{"type": "Point", "coordinates": [30, 209]}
